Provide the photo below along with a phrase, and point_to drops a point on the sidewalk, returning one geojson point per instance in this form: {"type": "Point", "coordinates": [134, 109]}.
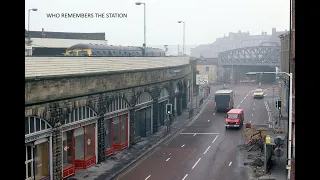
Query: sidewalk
{"type": "Point", "coordinates": [278, 171]}
{"type": "Point", "coordinates": [118, 162]}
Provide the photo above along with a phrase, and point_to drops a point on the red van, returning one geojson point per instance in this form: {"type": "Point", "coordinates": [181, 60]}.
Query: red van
{"type": "Point", "coordinates": [234, 118]}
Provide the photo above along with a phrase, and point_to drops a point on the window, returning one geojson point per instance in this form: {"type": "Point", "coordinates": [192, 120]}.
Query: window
{"type": "Point", "coordinates": [90, 142]}
{"type": "Point", "coordinates": [79, 143]}
{"type": "Point", "coordinates": [80, 113]}
{"type": "Point", "coordinates": [42, 160]}
{"type": "Point", "coordinates": [117, 105]}
{"type": "Point", "coordinates": [116, 126]}
{"type": "Point", "coordinates": [233, 116]}
{"type": "Point", "coordinates": [67, 149]}
{"type": "Point", "coordinates": [207, 68]}
{"type": "Point", "coordinates": [144, 98]}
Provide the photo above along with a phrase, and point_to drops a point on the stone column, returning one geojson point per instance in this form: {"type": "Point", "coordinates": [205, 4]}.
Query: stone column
{"type": "Point", "coordinates": [132, 125]}
{"type": "Point", "coordinates": [101, 139]}
{"type": "Point", "coordinates": [57, 152]}
{"type": "Point", "coordinates": [155, 112]}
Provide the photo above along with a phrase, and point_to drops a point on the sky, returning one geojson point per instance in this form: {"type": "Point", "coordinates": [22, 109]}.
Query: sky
{"type": "Point", "coordinates": [205, 20]}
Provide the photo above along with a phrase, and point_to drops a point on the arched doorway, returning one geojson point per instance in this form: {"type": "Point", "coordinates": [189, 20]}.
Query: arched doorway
{"type": "Point", "coordinates": [162, 101]}
{"type": "Point", "coordinates": [79, 140]}
{"type": "Point", "coordinates": [38, 148]}
{"type": "Point", "coordinates": [116, 125]}
{"type": "Point", "coordinates": [143, 115]}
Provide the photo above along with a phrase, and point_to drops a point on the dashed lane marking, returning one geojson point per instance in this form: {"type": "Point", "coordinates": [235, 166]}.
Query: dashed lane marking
{"type": "Point", "coordinates": [215, 139]}
{"type": "Point", "coordinates": [182, 146]}
{"type": "Point", "coordinates": [167, 159]}
{"type": "Point", "coordinates": [206, 150]}
{"type": "Point", "coordinates": [196, 163]}
{"type": "Point", "coordinates": [195, 134]}
{"type": "Point", "coordinates": [148, 177]}
{"type": "Point", "coordinates": [185, 177]}
{"type": "Point", "coordinates": [230, 163]}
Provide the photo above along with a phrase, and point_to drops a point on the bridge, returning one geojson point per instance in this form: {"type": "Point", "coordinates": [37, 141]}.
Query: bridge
{"type": "Point", "coordinates": [109, 103]}
{"type": "Point", "coordinates": [234, 64]}
{"type": "Point", "coordinates": [251, 56]}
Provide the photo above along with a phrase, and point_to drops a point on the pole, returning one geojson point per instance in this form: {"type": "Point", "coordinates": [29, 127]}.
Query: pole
{"type": "Point", "coordinates": [28, 20]}
{"type": "Point", "coordinates": [192, 71]}
{"type": "Point", "coordinates": [183, 38]}
{"type": "Point", "coordinates": [145, 36]}
{"type": "Point", "coordinates": [290, 126]}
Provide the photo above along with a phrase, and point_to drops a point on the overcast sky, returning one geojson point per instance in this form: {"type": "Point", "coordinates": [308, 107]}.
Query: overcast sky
{"type": "Point", "coordinates": [205, 20]}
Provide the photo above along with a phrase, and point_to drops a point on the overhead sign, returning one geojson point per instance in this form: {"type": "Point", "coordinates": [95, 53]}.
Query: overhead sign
{"type": "Point", "coordinates": [202, 79]}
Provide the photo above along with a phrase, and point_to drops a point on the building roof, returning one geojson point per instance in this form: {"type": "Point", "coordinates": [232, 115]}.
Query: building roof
{"type": "Point", "coordinates": [66, 35]}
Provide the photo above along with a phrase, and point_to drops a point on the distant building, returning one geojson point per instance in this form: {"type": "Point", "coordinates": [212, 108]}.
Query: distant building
{"type": "Point", "coordinates": [48, 43]}
{"type": "Point", "coordinates": [28, 47]}
{"type": "Point", "coordinates": [234, 41]}
{"type": "Point", "coordinates": [208, 66]}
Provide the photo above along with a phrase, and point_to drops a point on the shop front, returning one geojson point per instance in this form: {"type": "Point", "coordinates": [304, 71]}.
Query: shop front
{"type": "Point", "coordinates": [116, 126]}
{"type": "Point", "coordinates": [38, 149]}
{"type": "Point", "coordinates": [143, 115]}
{"type": "Point", "coordinates": [79, 140]}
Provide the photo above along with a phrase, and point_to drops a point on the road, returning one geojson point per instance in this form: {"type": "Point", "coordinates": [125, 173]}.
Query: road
{"type": "Point", "coordinates": [204, 149]}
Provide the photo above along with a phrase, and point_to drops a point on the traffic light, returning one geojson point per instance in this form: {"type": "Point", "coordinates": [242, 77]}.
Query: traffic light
{"type": "Point", "coordinates": [278, 151]}
{"type": "Point", "coordinates": [169, 108]}
{"type": "Point", "coordinates": [278, 104]}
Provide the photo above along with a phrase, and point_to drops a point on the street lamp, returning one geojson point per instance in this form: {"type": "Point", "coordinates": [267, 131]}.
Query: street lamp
{"type": "Point", "coordinates": [183, 36]}
{"type": "Point", "coordinates": [33, 9]}
{"type": "Point", "coordinates": [290, 117]}
{"type": "Point", "coordinates": [144, 6]}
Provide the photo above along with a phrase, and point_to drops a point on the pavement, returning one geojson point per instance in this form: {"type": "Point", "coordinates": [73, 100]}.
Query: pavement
{"type": "Point", "coordinates": [203, 149]}
{"type": "Point", "coordinates": [147, 146]}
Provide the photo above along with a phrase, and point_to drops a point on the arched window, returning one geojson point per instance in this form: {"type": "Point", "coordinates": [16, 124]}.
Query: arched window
{"type": "Point", "coordinates": [163, 93]}
{"type": "Point", "coordinates": [34, 124]}
{"type": "Point", "coordinates": [80, 113]}
{"type": "Point", "coordinates": [117, 105]}
{"type": "Point", "coordinates": [145, 97]}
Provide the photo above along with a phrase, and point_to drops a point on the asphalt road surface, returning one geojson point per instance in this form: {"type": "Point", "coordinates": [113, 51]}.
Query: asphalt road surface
{"type": "Point", "coordinates": [204, 149]}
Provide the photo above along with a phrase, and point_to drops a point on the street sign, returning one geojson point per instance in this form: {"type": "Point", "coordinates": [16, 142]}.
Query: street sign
{"type": "Point", "coordinates": [202, 79]}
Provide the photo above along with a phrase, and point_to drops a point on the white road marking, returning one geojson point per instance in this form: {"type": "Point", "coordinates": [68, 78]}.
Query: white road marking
{"type": "Point", "coordinates": [254, 104]}
{"type": "Point", "coordinates": [195, 134]}
{"type": "Point", "coordinates": [252, 114]}
{"type": "Point", "coordinates": [148, 177]}
{"type": "Point", "coordinates": [253, 109]}
{"type": "Point", "coordinates": [241, 102]}
{"type": "Point", "coordinates": [168, 159]}
{"type": "Point", "coordinates": [244, 98]}
{"type": "Point", "coordinates": [169, 154]}
{"type": "Point", "coordinates": [185, 177]}
{"type": "Point", "coordinates": [214, 113]}
{"type": "Point", "coordinates": [238, 106]}
{"type": "Point", "coordinates": [196, 163]}
{"type": "Point", "coordinates": [140, 161]}
{"type": "Point", "coordinates": [199, 133]}
{"type": "Point", "coordinates": [230, 163]}
{"type": "Point", "coordinates": [182, 146]}
{"type": "Point", "coordinates": [215, 139]}
{"type": "Point", "coordinates": [208, 120]}
{"type": "Point", "coordinates": [207, 150]}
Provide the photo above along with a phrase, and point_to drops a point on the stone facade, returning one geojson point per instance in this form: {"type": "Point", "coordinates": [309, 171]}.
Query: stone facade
{"type": "Point", "coordinates": [53, 100]}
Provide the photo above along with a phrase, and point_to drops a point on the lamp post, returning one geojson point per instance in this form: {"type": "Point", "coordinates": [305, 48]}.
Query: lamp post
{"type": "Point", "coordinates": [33, 9]}
{"type": "Point", "coordinates": [183, 36]}
{"type": "Point", "coordinates": [290, 117]}
{"type": "Point", "coordinates": [145, 37]}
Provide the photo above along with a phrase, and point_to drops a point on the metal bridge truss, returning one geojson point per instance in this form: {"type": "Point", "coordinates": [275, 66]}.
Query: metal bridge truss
{"type": "Point", "coordinates": [252, 56]}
